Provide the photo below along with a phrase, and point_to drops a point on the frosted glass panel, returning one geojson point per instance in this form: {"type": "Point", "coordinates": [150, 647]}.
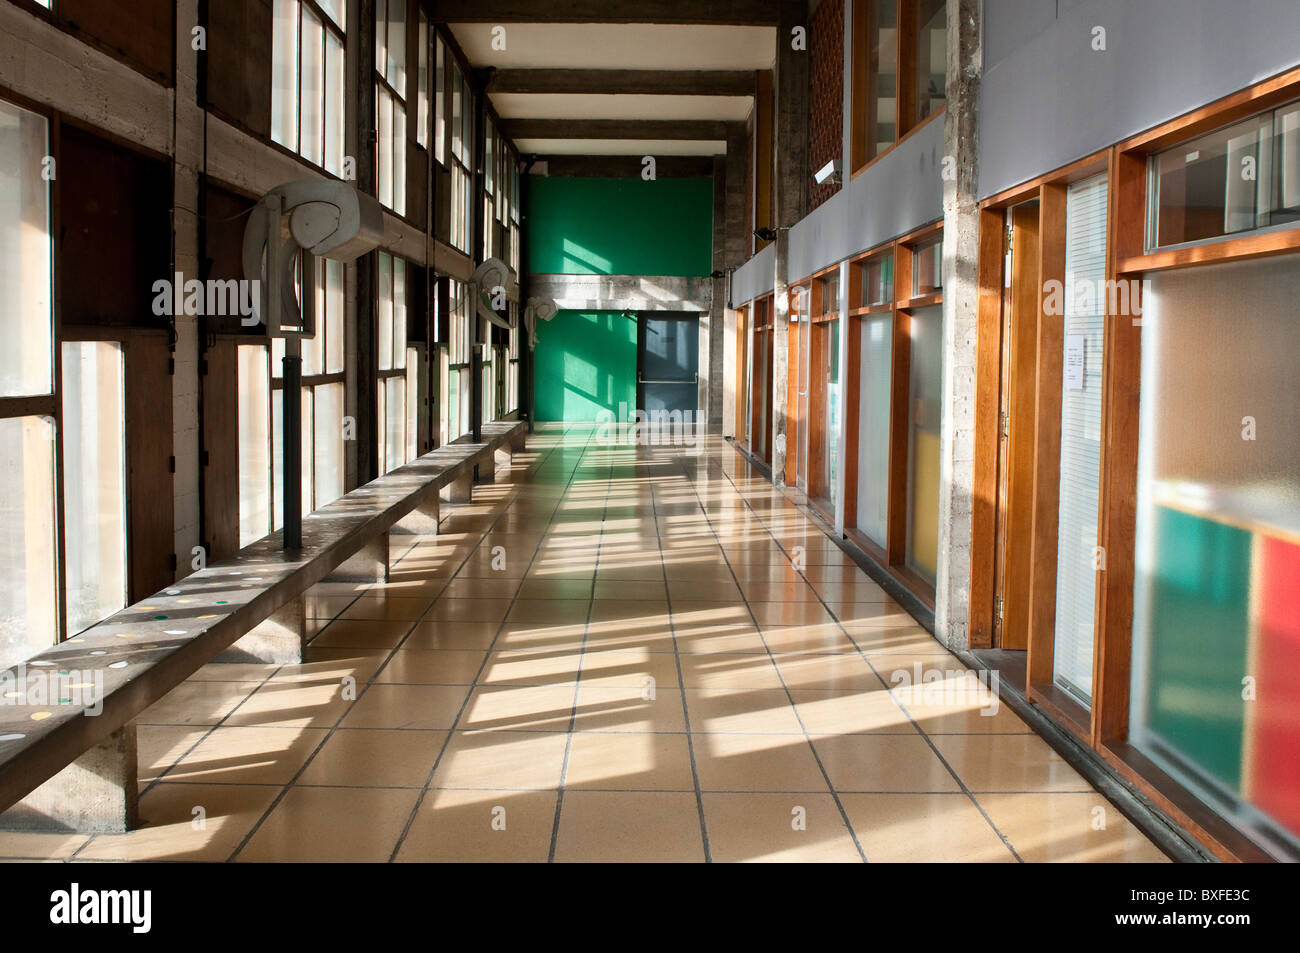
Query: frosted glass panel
{"type": "Point", "coordinates": [1085, 322]}
{"type": "Point", "coordinates": [94, 491]}
{"type": "Point", "coordinates": [26, 261]}
{"type": "Point", "coordinates": [329, 443]}
{"type": "Point", "coordinates": [313, 88]}
{"type": "Point", "coordinates": [284, 74]}
{"type": "Point", "coordinates": [924, 413]}
{"type": "Point", "coordinates": [873, 428]}
{"type": "Point", "coordinates": [254, 445]}
{"type": "Point", "coordinates": [384, 334]}
{"type": "Point", "coordinates": [28, 597]}
{"type": "Point", "coordinates": [1217, 553]}
{"type": "Point", "coordinates": [334, 109]}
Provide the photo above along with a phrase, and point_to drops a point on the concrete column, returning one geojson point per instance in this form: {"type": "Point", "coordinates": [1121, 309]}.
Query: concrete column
{"type": "Point", "coordinates": [278, 640]}
{"type": "Point", "coordinates": [790, 199]}
{"type": "Point", "coordinates": [736, 243]}
{"type": "Point", "coordinates": [421, 521]}
{"type": "Point", "coordinates": [460, 489]}
{"type": "Point", "coordinates": [368, 564]}
{"type": "Point", "coordinates": [960, 303]}
{"type": "Point", "coordinates": [187, 143]}
{"type": "Point", "coordinates": [96, 794]}
{"type": "Point", "coordinates": [712, 340]}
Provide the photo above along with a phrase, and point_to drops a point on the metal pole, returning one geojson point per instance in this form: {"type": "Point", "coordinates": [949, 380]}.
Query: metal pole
{"type": "Point", "coordinates": [291, 472]}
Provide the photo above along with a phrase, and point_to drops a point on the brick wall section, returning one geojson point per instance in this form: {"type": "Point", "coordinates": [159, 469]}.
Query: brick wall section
{"type": "Point", "coordinates": [826, 43]}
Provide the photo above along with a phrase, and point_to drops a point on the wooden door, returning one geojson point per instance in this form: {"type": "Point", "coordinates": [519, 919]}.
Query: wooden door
{"type": "Point", "coordinates": [1020, 297]}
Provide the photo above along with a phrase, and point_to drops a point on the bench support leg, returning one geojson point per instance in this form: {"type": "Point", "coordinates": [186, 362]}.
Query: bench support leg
{"type": "Point", "coordinates": [96, 794]}
{"type": "Point", "coordinates": [518, 442]}
{"type": "Point", "coordinates": [277, 640]}
{"type": "Point", "coordinates": [461, 489]}
{"type": "Point", "coordinates": [421, 521]}
{"type": "Point", "coordinates": [368, 564]}
{"type": "Point", "coordinates": [487, 468]}
{"type": "Point", "coordinates": [504, 456]}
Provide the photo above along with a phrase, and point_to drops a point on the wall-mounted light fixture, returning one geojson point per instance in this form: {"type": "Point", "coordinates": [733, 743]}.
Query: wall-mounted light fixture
{"type": "Point", "coordinates": [829, 174]}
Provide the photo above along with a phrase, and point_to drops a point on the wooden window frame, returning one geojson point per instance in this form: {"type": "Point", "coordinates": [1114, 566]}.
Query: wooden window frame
{"type": "Point", "coordinates": [892, 557]}
{"type": "Point", "coordinates": [1104, 727]}
{"type": "Point", "coordinates": [862, 110]}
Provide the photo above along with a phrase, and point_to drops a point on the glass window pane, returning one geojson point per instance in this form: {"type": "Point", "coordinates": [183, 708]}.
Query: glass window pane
{"type": "Point", "coordinates": [284, 74]}
{"type": "Point", "coordinates": [334, 108]}
{"type": "Point", "coordinates": [394, 396]}
{"type": "Point", "coordinates": [925, 385]}
{"type": "Point", "coordinates": [1217, 548]}
{"type": "Point", "coordinates": [878, 281]}
{"type": "Point", "coordinates": [399, 159]}
{"type": "Point", "coordinates": [329, 443]}
{"type": "Point", "coordinates": [931, 57]}
{"type": "Point", "coordinates": [882, 98]}
{"type": "Point", "coordinates": [396, 72]}
{"type": "Point", "coordinates": [254, 445]}
{"type": "Point", "coordinates": [1216, 185]}
{"type": "Point", "coordinates": [412, 403]}
{"type": "Point", "coordinates": [384, 105]}
{"type": "Point", "coordinates": [381, 36]}
{"type": "Point", "coordinates": [873, 423]}
{"type": "Point", "coordinates": [312, 145]}
{"type": "Point", "coordinates": [94, 519]}
{"type": "Point", "coordinates": [28, 620]}
{"type": "Point", "coordinates": [384, 333]}
{"type": "Point", "coordinates": [439, 102]}
{"type": "Point", "coordinates": [334, 323]}
{"type": "Point", "coordinates": [422, 81]}
{"type": "Point", "coordinates": [927, 268]}
{"type": "Point", "coordinates": [307, 436]}
{"type": "Point", "coordinates": [26, 256]}
{"type": "Point", "coordinates": [399, 313]}
{"type": "Point", "coordinates": [1084, 333]}
{"type": "Point", "coordinates": [335, 10]}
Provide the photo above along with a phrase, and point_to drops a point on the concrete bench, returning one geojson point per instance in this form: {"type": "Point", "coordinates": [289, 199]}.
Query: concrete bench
{"type": "Point", "coordinates": [67, 715]}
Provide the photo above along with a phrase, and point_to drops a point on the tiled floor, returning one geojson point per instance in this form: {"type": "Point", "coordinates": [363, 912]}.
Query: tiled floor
{"type": "Point", "coordinates": [608, 656]}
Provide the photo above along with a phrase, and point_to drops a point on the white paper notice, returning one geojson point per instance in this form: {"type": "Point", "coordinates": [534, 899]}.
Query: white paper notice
{"type": "Point", "coordinates": [1076, 350]}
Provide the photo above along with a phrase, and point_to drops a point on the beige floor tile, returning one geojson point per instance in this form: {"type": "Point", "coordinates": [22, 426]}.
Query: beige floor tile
{"type": "Point", "coordinates": [362, 634]}
{"type": "Point", "coordinates": [549, 611]}
{"type": "Point", "coordinates": [925, 828]}
{"type": "Point", "coordinates": [502, 759]}
{"type": "Point", "coordinates": [737, 710]}
{"type": "Point", "coordinates": [719, 670]}
{"type": "Point", "coordinates": [438, 667]}
{"type": "Point", "coordinates": [37, 845]}
{"type": "Point", "coordinates": [428, 707]}
{"type": "Point", "coordinates": [481, 827]}
{"type": "Point", "coordinates": [851, 712]}
{"type": "Point", "coordinates": [384, 606]}
{"type": "Point", "coordinates": [736, 762]}
{"type": "Point", "coordinates": [327, 666]}
{"type": "Point", "coordinates": [634, 668]}
{"type": "Point", "coordinates": [638, 612]}
{"type": "Point", "coordinates": [629, 761]}
{"type": "Point", "coordinates": [290, 705]}
{"type": "Point", "coordinates": [531, 667]}
{"type": "Point", "coordinates": [201, 822]}
{"type": "Point", "coordinates": [629, 827]}
{"type": "Point", "coordinates": [532, 707]}
{"type": "Point", "coordinates": [197, 703]}
{"type": "Point", "coordinates": [232, 672]}
{"type": "Point", "coordinates": [802, 639]}
{"type": "Point", "coordinates": [837, 672]}
{"type": "Point", "coordinates": [1068, 827]}
{"type": "Point", "coordinates": [770, 614]}
{"type": "Point", "coordinates": [542, 588]}
{"type": "Point", "coordinates": [777, 828]}
{"type": "Point", "coordinates": [317, 824]}
{"type": "Point", "coordinates": [452, 635]}
{"type": "Point", "coordinates": [158, 747]}
{"type": "Point", "coordinates": [725, 638]}
{"type": "Point", "coordinates": [251, 755]}
{"type": "Point", "coordinates": [1008, 763]}
{"type": "Point", "coordinates": [629, 708]}
{"type": "Point", "coordinates": [467, 610]}
{"type": "Point", "coordinates": [375, 757]}
{"type": "Point", "coordinates": [882, 762]}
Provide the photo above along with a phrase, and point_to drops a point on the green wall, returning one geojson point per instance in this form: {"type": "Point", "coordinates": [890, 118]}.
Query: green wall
{"type": "Point", "coordinates": [585, 362]}
{"type": "Point", "coordinates": [578, 226]}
